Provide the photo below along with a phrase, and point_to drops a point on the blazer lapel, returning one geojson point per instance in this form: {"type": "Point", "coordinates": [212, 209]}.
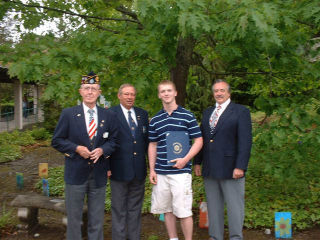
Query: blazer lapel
{"type": "Point", "coordinates": [100, 124]}
{"type": "Point", "coordinates": [224, 116]}
{"type": "Point", "coordinates": [123, 119]}
{"type": "Point", "coordinates": [138, 117]}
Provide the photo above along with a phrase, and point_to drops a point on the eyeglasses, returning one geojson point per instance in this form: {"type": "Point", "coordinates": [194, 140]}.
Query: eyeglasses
{"type": "Point", "coordinates": [93, 89]}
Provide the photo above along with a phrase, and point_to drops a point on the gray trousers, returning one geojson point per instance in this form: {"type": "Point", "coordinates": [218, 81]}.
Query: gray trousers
{"type": "Point", "coordinates": [231, 193]}
{"type": "Point", "coordinates": [126, 205]}
{"type": "Point", "coordinates": [75, 195]}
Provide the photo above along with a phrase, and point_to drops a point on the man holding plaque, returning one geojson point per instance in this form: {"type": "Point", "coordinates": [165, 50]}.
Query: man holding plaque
{"type": "Point", "coordinates": [171, 131]}
{"type": "Point", "coordinates": [87, 135]}
{"type": "Point", "coordinates": [226, 130]}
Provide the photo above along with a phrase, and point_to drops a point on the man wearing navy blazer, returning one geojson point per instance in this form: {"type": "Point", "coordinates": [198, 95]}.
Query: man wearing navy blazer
{"type": "Point", "coordinates": [128, 166]}
{"type": "Point", "coordinates": [87, 135]}
{"type": "Point", "coordinates": [226, 131]}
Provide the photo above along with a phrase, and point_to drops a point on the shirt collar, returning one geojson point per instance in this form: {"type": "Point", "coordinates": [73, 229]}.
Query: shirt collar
{"type": "Point", "coordinates": [125, 110]}
{"type": "Point", "coordinates": [178, 109]}
{"type": "Point", "coordinates": [225, 104]}
{"type": "Point", "coordinates": [86, 108]}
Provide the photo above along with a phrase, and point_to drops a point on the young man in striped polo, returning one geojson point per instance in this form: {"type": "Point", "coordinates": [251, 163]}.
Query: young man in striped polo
{"type": "Point", "coordinates": [172, 190]}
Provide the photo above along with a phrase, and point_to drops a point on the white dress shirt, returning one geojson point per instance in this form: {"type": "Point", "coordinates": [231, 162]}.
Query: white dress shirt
{"type": "Point", "coordinates": [133, 114]}
{"type": "Point", "coordinates": [223, 107]}
{"type": "Point", "coordinates": [87, 115]}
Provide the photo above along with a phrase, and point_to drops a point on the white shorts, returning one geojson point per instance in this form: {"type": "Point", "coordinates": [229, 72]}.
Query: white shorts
{"type": "Point", "coordinates": [172, 193]}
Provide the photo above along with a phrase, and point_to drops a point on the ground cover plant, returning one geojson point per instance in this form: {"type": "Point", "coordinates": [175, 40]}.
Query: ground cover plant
{"type": "Point", "coordinates": [11, 143]}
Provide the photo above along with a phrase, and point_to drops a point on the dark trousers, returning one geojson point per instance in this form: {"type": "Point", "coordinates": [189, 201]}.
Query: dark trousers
{"type": "Point", "coordinates": [126, 205]}
{"type": "Point", "coordinates": [75, 195]}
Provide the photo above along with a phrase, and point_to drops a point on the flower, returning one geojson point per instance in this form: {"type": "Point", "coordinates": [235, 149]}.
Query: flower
{"type": "Point", "coordinates": [283, 226]}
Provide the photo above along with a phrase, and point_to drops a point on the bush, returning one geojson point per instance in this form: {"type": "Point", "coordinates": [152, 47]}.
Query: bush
{"type": "Point", "coordinates": [5, 217]}
{"type": "Point", "coordinates": [9, 152]}
{"type": "Point", "coordinates": [17, 138]}
{"type": "Point", "coordinates": [40, 133]}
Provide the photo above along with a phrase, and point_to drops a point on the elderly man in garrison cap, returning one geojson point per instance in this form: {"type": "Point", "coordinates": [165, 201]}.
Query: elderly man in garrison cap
{"type": "Point", "coordinates": [87, 135]}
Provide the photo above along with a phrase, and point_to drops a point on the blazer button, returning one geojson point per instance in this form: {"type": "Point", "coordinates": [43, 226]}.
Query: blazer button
{"type": "Point", "coordinates": [134, 153]}
{"type": "Point", "coordinates": [134, 142]}
{"type": "Point", "coordinates": [211, 140]}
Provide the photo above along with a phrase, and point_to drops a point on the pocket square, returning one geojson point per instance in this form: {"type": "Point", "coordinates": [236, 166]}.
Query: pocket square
{"type": "Point", "coordinates": [105, 135]}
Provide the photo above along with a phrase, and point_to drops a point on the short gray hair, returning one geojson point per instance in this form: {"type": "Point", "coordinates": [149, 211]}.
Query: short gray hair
{"type": "Point", "coordinates": [219, 81]}
{"type": "Point", "coordinates": [124, 86]}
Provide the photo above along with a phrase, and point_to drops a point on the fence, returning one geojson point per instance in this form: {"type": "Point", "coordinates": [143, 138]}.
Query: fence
{"type": "Point", "coordinates": [7, 123]}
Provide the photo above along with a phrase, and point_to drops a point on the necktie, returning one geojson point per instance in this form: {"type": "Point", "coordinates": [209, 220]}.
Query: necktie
{"type": "Point", "coordinates": [132, 124]}
{"type": "Point", "coordinates": [214, 118]}
{"type": "Point", "coordinates": [92, 124]}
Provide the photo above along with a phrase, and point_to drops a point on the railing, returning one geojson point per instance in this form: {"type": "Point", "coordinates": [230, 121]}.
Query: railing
{"type": "Point", "coordinates": [7, 123]}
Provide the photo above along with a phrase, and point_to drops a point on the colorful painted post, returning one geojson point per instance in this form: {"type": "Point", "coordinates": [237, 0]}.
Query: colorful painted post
{"type": "Point", "coordinates": [282, 226]}
{"type": "Point", "coordinates": [161, 217]}
{"type": "Point", "coordinates": [19, 179]}
{"type": "Point", "coordinates": [45, 187]}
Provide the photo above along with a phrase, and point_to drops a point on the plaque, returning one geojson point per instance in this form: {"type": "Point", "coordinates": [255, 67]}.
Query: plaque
{"type": "Point", "coordinates": [178, 145]}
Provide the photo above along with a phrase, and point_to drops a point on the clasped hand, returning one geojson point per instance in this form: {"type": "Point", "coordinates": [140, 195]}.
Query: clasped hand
{"type": "Point", "coordinates": [94, 155]}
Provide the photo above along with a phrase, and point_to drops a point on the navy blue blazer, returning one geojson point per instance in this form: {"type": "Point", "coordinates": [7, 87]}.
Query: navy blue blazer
{"type": "Point", "coordinates": [129, 159]}
{"type": "Point", "coordinates": [229, 146]}
{"type": "Point", "coordinates": [71, 131]}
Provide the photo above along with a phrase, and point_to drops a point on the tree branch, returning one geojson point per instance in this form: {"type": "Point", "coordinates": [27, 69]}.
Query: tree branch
{"type": "Point", "coordinates": [68, 12]}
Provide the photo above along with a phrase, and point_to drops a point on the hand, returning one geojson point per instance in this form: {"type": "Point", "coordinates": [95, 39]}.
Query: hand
{"type": "Point", "coordinates": [238, 173]}
{"type": "Point", "coordinates": [83, 151]}
{"type": "Point", "coordinates": [109, 173]}
{"type": "Point", "coordinates": [153, 177]}
{"type": "Point", "coordinates": [197, 170]}
{"type": "Point", "coordinates": [96, 154]}
{"type": "Point", "coordinates": [180, 163]}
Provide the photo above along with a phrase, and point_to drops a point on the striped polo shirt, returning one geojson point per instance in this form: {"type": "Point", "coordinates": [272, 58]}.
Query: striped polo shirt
{"type": "Point", "coordinates": [180, 120]}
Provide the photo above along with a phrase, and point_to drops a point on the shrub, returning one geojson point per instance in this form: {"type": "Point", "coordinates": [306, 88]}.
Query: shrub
{"type": "Point", "coordinates": [5, 217]}
{"type": "Point", "coordinates": [9, 152]}
{"type": "Point", "coordinates": [40, 134]}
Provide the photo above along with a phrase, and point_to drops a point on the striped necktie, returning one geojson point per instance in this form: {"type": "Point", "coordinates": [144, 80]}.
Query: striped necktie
{"type": "Point", "coordinates": [214, 118]}
{"type": "Point", "coordinates": [92, 124]}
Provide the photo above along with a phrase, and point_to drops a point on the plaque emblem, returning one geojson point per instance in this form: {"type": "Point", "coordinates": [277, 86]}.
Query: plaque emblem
{"type": "Point", "coordinates": [177, 147]}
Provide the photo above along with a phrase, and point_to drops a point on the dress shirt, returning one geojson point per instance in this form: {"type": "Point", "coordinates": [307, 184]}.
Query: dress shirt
{"type": "Point", "coordinates": [133, 114]}
{"type": "Point", "coordinates": [223, 107]}
{"type": "Point", "coordinates": [87, 116]}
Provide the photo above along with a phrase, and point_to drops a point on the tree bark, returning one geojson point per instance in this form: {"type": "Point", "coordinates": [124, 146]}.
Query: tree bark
{"type": "Point", "coordinates": [179, 72]}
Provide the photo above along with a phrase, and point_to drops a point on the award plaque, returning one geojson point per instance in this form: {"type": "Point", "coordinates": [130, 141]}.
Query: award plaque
{"type": "Point", "coordinates": [178, 145]}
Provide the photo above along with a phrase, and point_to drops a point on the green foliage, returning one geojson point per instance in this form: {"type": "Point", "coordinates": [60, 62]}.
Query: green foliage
{"type": "Point", "coordinates": [21, 138]}
{"type": "Point", "coordinates": [5, 217]}
{"type": "Point", "coordinates": [153, 237]}
{"type": "Point", "coordinates": [11, 142]}
{"type": "Point", "coordinates": [284, 169]}
{"type": "Point", "coordinates": [9, 152]}
{"type": "Point", "coordinates": [56, 182]}
{"type": "Point", "coordinates": [40, 133]}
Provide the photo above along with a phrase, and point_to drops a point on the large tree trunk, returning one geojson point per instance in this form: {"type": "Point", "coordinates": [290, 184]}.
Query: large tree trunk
{"type": "Point", "coordinates": [179, 73]}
